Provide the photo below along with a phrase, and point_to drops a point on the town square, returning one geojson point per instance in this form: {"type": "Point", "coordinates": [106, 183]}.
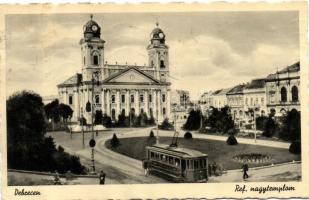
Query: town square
{"type": "Point", "coordinates": [147, 98]}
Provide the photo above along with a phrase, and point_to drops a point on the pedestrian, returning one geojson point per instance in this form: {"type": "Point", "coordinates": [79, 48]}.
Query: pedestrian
{"type": "Point", "coordinates": [56, 178]}
{"type": "Point", "coordinates": [102, 177]}
{"type": "Point", "coordinates": [209, 169]}
{"type": "Point", "coordinates": [245, 168]}
{"type": "Point", "coordinates": [214, 168]}
{"type": "Point", "coordinates": [145, 166]}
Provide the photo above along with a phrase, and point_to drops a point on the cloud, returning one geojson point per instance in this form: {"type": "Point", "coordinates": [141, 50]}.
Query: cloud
{"type": "Point", "coordinates": [207, 63]}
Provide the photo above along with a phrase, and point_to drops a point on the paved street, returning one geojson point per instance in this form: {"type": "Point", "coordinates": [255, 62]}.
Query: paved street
{"type": "Point", "coordinates": [121, 169]}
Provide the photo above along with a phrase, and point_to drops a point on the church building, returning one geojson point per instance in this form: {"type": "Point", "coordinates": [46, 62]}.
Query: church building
{"type": "Point", "coordinates": [116, 89]}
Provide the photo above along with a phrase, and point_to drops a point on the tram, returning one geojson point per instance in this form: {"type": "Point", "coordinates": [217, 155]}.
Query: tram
{"type": "Point", "coordinates": [176, 164]}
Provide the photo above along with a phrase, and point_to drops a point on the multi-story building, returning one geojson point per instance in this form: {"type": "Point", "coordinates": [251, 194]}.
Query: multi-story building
{"type": "Point", "coordinates": [255, 99]}
{"type": "Point", "coordinates": [116, 89]}
{"type": "Point", "coordinates": [282, 90]}
{"type": "Point", "coordinates": [180, 98]}
{"type": "Point", "coordinates": [235, 100]}
{"type": "Point", "coordinates": [219, 98]}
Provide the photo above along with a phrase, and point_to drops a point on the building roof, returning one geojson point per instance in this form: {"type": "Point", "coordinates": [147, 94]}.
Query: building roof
{"type": "Point", "coordinates": [238, 89]}
{"type": "Point", "coordinates": [184, 152]}
{"type": "Point", "coordinates": [291, 68]}
{"type": "Point", "coordinates": [73, 80]}
{"type": "Point", "coordinates": [221, 91]}
{"type": "Point", "coordinates": [255, 84]}
{"type": "Point", "coordinates": [127, 69]}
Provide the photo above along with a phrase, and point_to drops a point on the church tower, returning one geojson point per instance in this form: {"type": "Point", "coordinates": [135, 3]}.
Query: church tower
{"type": "Point", "coordinates": [158, 55]}
{"type": "Point", "coordinates": [92, 50]}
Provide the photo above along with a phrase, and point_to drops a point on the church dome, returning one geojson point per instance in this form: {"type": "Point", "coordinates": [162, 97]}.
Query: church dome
{"type": "Point", "coordinates": [92, 29]}
{"type": "Point", "coordinates": [157, 34]}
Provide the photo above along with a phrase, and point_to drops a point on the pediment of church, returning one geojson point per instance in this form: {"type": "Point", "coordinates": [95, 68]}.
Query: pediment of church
{"type": "Point", "coordinates": [131, 76]}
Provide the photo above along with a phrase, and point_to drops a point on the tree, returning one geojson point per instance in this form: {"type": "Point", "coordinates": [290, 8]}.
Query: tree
{"type": "Point", "coordinates": [231, 140]}
{"type": "Point", "coordinates": [291, 129]}
{"type": "Point", "coordinates": [28, 148]}
{"type": "Point", "coordinates": [295, 147]}
{"type": "Point", "coordinates": [107, 121]}
{"type": "Point", "coordinates": [82, 121]}
{"type": "Point", "coordinates": [52, 111]}
{"type": "Point", "coordinates": [151, 134]}
{"type": "Point", "coordinates": [114, 141]}
{"type": "Point", "coordinates": [193, 121]}
{"type": "Point", "coordinates": [122, 122]}
{"type": "Point", "coordinates": [166, 125]}
{"type": "Point", "coordinates": [65, 112]}
{"type": "Point", "coordinates": [188, 135]}
{"type": "Point", "coordinates": [98, 118]}
{"type": "Point", "coordinates": [220, 120]}
{"type": "Point", "coordinates": [270, 127]}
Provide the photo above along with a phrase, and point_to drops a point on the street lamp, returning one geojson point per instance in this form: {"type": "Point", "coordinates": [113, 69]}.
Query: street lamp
{"type": "Point", "coordinates": [94, 78]}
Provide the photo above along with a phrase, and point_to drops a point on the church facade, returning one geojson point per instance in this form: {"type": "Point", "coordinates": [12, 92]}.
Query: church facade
{"type": "Point", "coordinates": [117, 89]}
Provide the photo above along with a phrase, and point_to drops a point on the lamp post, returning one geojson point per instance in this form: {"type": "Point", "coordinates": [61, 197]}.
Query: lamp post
{"type": "Point", "coordinates": [95, 75]}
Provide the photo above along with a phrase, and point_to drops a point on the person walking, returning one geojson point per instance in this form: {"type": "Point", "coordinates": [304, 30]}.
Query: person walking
{"type": "Point", "coordinates": [245, 168]}
{"type": "Point", "coordinates": [214, 168]}
{"type": "Point", "coordinates": [145, 166]}
{"type": "Point", "coordinates": [57, 180]}
{"type": "Point", "coordinates": [209, 169]}
{"type": "Point", "coordinates": [102, 177]}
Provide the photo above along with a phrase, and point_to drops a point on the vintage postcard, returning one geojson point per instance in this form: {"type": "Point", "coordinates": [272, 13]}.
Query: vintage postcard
{"type": "Point", "coordinates": [154, 101]}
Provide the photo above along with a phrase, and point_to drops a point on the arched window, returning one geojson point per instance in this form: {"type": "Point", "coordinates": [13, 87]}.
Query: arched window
{"type": "Point", "coordinates": [113, 98]}
{"type": "Point", "coordinates": [95, 60]}
{"type": "Point", "coordinates": [294, 93]}
{"type": "Point", "coordinates": [97, 99]}
{"type": "Point", "coordinates": [283, 94]}
{"type": "Point", "coordinates": [162, 65]}
{"type": "Point", "coordinates": [132, 98]}
{"type": "Point", "coordinates": [142, 110]}
{"type": "Point", "coordinates": [84, 60]}
{"type": "Point", "coordinates": [164, 111]}
{"type": "Point", "coordinates": [123, 111]}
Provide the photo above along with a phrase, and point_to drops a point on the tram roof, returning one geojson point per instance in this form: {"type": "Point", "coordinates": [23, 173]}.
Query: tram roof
{"type": "Point", "coordinates": [179, 151]}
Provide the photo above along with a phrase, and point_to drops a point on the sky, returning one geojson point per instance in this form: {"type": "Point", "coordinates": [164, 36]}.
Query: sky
{"type": "Point", "coordinates": [208, 50]}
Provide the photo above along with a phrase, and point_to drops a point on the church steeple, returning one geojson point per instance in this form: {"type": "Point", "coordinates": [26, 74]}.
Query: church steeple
{"type": "Point", "coordinates": [92, 49]}
{"type": "Point", "coordinates": [158, 54]}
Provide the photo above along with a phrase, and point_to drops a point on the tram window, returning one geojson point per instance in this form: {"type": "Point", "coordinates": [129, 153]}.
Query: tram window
{"type": "Point", "coordinates": [195, 164]}
{"type": "Point", "coordinates": [201, 163]}
{"type": "Point", "coordinates": [170, 159]}
{"type": "Point", "coordinates": [161, 157]}
{"type": "Point", "coordinates": [151, 155]}
{"type": "Point", "coordinates": [191, 164]}
{"type": "Point", "coordinates": [157, 156]}
{"type": "Point", "coordinates": [177, 161]}
{"type": "Point", "coordinates": [188, 166]}
{"type": "Point", "coordinates": [205, 164]}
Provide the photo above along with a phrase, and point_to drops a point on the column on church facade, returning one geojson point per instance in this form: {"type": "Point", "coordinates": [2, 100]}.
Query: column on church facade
{"type": "Point", "coordinates": [168, 104]}
{"type": "Point", "coordinates": [136, 101]}
{"type": "Point", "coordinates": [159, 105]}
{"type": "Point", "coordinates": [127, 100]}
{"type": "Point", "coordinates": [289, 93]}
{"type": "Point", "coordinates": [76, 104]}
{"type": "Point", "coordinates": [146, 107]}
{"type": "Point", "coordinates": [103, 101]}
{"type": "Point", "coordinates": [117, 103]}
{"type": "Point", "coordinates": [108, 109]}
{"type": "Point", "coordinates": [154, 99]}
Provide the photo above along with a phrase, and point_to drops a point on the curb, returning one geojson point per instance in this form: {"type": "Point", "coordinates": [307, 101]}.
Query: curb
{"type": "Point", "coordinates": [50, 174]}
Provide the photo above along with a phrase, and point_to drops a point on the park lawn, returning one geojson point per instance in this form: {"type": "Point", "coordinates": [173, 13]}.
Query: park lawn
{"type": "Point", "coordinates": [218, 151]}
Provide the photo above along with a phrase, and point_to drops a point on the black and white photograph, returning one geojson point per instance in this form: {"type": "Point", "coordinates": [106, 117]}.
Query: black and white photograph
{"type": "Point", "coordinates": [109, 98]}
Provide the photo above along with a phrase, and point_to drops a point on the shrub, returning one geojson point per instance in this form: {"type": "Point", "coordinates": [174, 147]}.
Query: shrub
{"type": "Point", "coordinates": [166, 125]}
{"type": "Point", "coordinates": [60, 149]}
{"type": "Point", "coordinates": [151, 134]}
{"type": "Point", "coordinates": [295, 147]}
{"type": "Point", "coordinates": [188, 135]}
{"type": "Point", "coordinates": [114, 141]}
{"type": "Point", "coordinates": [231, 140]}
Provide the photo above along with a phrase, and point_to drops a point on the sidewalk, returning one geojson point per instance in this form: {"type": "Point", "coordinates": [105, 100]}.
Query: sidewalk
{"type": "Point", "coordinates": [281, 173]}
